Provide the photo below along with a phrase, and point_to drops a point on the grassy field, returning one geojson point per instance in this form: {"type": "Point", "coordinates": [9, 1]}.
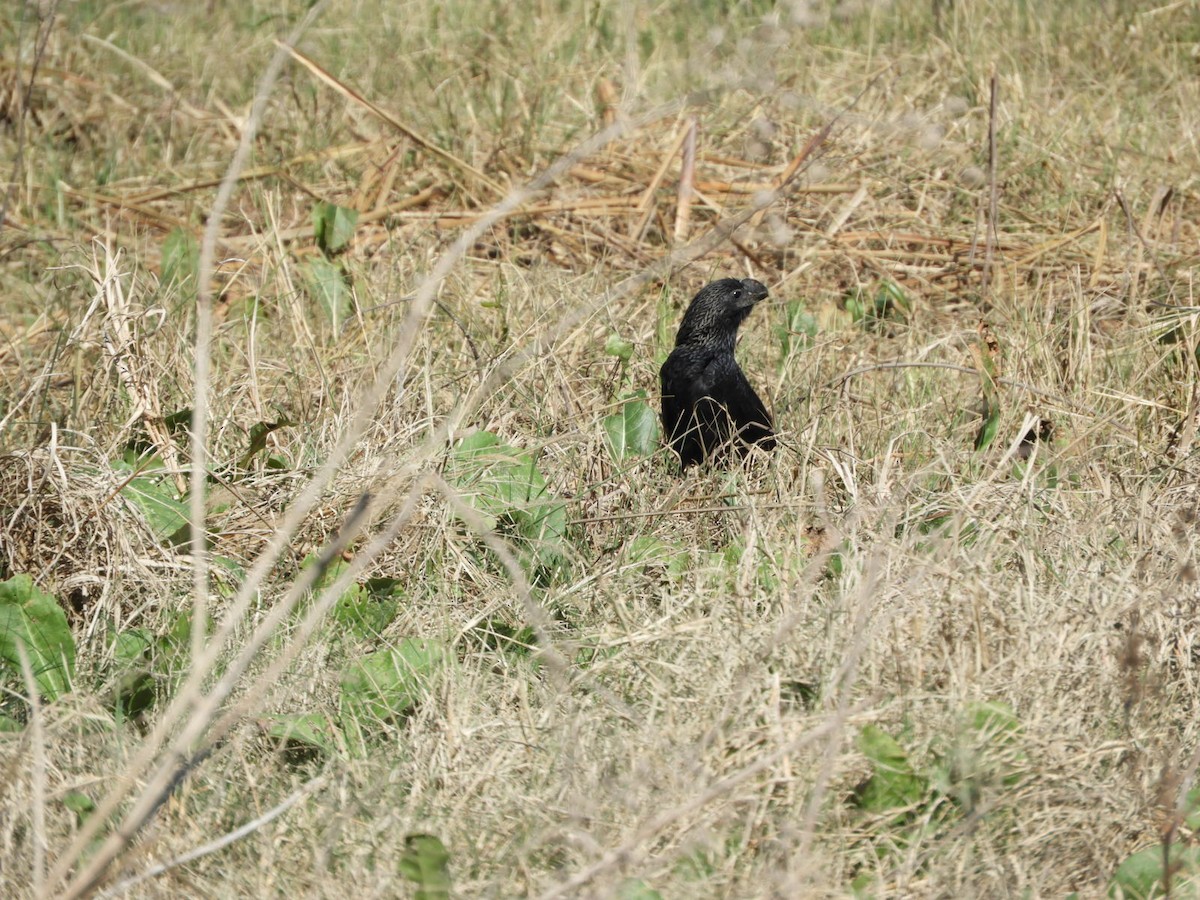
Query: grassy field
{"type": "Point", "coordinates": [380, 291]}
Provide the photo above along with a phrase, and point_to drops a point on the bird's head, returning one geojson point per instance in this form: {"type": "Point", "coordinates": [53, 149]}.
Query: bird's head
{"type": "Point", "coordinates": [715, 313]}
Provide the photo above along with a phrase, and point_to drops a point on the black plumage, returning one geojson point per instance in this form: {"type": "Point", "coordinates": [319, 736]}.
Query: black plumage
{"type": "Point", "coordinates": [708, 406]}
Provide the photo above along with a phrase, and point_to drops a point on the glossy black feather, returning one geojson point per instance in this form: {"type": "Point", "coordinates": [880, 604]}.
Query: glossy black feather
{"type": "Point", "coordinates": [708, 406]}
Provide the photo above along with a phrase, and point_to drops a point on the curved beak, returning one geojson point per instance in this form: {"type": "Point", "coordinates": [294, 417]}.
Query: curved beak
{"type": "Point", "coordinates": [756, 289]}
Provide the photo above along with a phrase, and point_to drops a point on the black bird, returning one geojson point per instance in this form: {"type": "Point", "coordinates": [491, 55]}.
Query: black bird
{"type": "Point", "coordinates": [708, 406]}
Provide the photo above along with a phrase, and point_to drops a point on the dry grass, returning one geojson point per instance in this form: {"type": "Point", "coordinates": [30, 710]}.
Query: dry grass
{"type": "Point", "coordinates": [689, 724]}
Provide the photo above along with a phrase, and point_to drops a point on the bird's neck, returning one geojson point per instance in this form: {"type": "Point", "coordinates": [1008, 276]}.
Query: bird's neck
{"type": "Point", "coordinates": [720, 342]}
{"type": "Point", "coordinates": [716, 336]}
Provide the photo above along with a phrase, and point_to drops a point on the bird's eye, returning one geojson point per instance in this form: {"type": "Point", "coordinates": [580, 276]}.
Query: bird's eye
{"type": "Point", "coordinates": [737, 293]}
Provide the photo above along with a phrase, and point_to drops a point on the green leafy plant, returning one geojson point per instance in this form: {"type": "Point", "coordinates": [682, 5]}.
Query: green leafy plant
{"type": "Point", "coordinates": [385, 686]}
{"type": "Point", "coordinates": [987, 360]}
{"type": "Point", "coordinates": [363, 610]}
{"type": "Point", "coordinates": [140, 451]}
{"type": "Point", "coordinates": [648, 552]}
{"type": "Point", "coordinates": [636, 889]}
{"type": "Point", "coordinates": [378, 690]}
{"type": "Point", "coordinates": [259, 432]}
{"type": "Point", "coordinates": [80, 804]}
{"type": "Point", "coordinates": [32, 622]}
{"type": "Point", "coordinates": [180, 258]}
{"type": "Point", "coordinates": [634, 429]}
{"type": "Point", "coordinates": [496, 635]}
{"type": "Point", "coordinates": [617, 346]}
{"type": "Point", "coordinates": [327, 281]}
{"type": "Point", "coordinates": [362, 613]}
{"type": "Point", "coordinates": [329, 285]}
{"type": "Point", "coordinates": [911, 800]}
{"type": "Point", "coordinates": [146, 666]}
{"type": "Point", "coordinates": [894, 785]}
{"type": "Point", "coordinates": [302, 736]}
{"type": "Point", "coordinates": [333, 226]}
{"type": "Point", "coordinates": [134, 690]}
{"type": "Point", "coordinates": [504, 486]}
{"type": "Point", "coordinates": [666, 320]}
{"type": "Point", "coordinates": [798, 330]}
{"type": "Point", "coordinates": [1143, 875]}
{"type": "Point", "coordinates": [873, 311]}
{"type": "Point", "coordinates": [1164, 869]}
{"type": "Point", "coordinates": [426, 863]}
{"type": "Point", "coordinates": [83, 806]}
{"type": "Point", "coordinates": [985, 751]}
{"type": "Point", "coordinates": [154, 496]}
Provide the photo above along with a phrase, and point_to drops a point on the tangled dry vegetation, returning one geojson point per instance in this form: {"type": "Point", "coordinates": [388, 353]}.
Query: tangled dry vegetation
{"type": "Point", "coordinates": [940, 644]}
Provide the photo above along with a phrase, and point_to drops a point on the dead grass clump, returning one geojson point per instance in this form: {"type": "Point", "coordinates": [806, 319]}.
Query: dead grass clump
{"type": "Point", "coordinates": [65, 525]}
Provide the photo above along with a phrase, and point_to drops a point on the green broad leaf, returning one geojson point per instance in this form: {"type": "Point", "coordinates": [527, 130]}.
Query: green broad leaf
{"type": "Point", "coordinates": [495, 634]}
{"type": "Point", "coordinates": [9, 725]}
{"type": "Point", "coordinates": [765, 572]}
{"type": "Point", "coordinates": [893, 784]}
{"type": "Point", "coordinates": [227, 576]}
{"type": "Point", "coordinates": [302, 735]}
{"type": "Point", "coordinates": [666, 320]}
{"type": "Point", "coordinates": [386, 685]}
{"type": "Point", "coordinates": [172, 651]}
{"type": "Point", "coordinates": [989, 427]}
{"type": "Point", "coordinates": [80, 804]}
{"type": "Point", "coordinates": [634, 431]}
{"type": "Point", "coordinates": [84, 807]}
{"type": "Point", "coordinates": [333, 226]}
{"type": "Point", "coordinates": [385, 587]}
{"type": "Point", "coordinates": [865, 886]}
{"type": "Point", "coordinates": [619, 347]}
{"type": "Point", "coordinates": [889, 302]}
{"type": "Point", "coordinates": [984, 755]}
{"type": "Point", "coordinates": [180, 258]}
{"type": "Point", "coordinates": [993, 721]}
{"type": "Point", "coordinates": [33, 620]}
{"type": "Point", "coordinates": [362, 611]}
{"type": "Point", "coordinates": [699, 865]}
{"type": "Point", "coordinates": [591, 654]}
{"type": "Point", "coordinates": [1141, 876]}
{"type": "Point", "coordinates": [891, 299]}
{"type": "Point", "coordinates": [326, 577]}
{"type": "Point", "coordinates": [154, 497]}
{"type": "Point", "coordinates": [426, 863]}
{"type": "Point", "coordinates": [648, 552]}
{"type": "Point", "coordinates": [141, 459]}
{"type": "Point", "coordinates": [132, 648]}
{"type": "Point", "coordinates": [636, 889]}
{"type": "Point", "coordinates": [362, 614]}
{"type": "Point", "coordinates": [504, 486]}
{"type": "Point", "coordinates": [134, 684]}
{"type": "Point", "coordinates": [1191, 809]}
{"type": "Point", "coordinates": [330, 288]}
{"type": "Point", "coordinates": [798, 330]}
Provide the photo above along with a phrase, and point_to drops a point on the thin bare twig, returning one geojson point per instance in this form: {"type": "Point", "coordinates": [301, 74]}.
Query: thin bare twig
{"type": "Point", "coordinates": [990, 235]}
{"type": "Point", "coordinates": [45, 26]}
{"type": "Point", "coordinates": [86, 879]}
{"type": "Point", "coordinates": [687, 177]}
{"type": "Point", "coordinates": [37, 739]}
{"type": "Point", "coordinates": [220, 843]}
{"type": "Point", "coordinates": [1032, 389]}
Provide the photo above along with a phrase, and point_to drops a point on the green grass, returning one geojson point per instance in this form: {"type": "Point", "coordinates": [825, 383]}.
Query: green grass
{"type": "Point", "coordinates": [903, 655]}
